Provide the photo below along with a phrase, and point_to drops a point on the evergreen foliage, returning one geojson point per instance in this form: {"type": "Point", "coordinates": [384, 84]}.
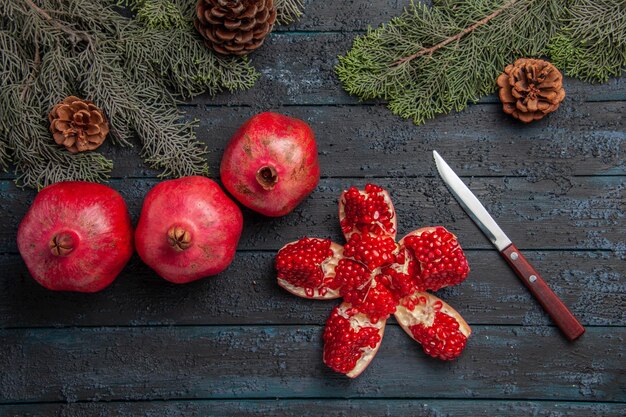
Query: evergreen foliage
{"type": "Point", "coordinates": [432, 60]}
{"type": "Point", "coordinates": [592, 43]}
{"type": "Point", "coordinates": [134, 68]}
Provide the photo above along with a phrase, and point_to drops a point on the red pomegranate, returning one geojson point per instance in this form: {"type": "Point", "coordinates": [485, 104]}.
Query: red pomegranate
{"type": "Point", "coordinates": [188, 229]}
{"type": "Point", "coordinates": [377, 277]}
{"type": "Point", "coordinates": [270, 164]}
{"type": "Point", "coordinates": [76, 236]}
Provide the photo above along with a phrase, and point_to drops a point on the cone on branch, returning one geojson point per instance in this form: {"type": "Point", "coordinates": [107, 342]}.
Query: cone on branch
{"type": "Point", "coordinates": [78, 125]}
{"type": "Point", "coordinates": [530, 89]}
{"type": "Point", "coordinates": [235, 27]}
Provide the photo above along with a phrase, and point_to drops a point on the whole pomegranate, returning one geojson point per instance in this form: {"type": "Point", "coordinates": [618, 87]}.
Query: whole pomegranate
{"type": "Point", "coordinates": [188, 229]}
{"type": "Point", "coordinates": [270, 164]}
{"type": "Point", "coordinates": [76, 236]}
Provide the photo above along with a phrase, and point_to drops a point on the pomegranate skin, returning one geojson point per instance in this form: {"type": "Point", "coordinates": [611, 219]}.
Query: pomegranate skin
{"type": "Point", "coordinates": [270, 164]}
{"type": "Point", "coordinates": [188, 229]}
{"type": "Point", "coordinates": [76, 236]}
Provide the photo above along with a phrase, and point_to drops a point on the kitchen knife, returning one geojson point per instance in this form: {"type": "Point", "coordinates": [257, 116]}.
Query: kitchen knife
{"type": "Point", "coordinates": [551, 303]}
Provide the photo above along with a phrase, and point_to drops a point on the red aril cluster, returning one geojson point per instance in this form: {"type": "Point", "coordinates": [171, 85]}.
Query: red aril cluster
{"type": "Point", "coordinates": [375, 300]}
{"type": "Point", "coordinates": [350, 340]}
{"type": "Point", "coordinates": [371, 250]}
{"type": "Point", "coordinates": [308, 267]}
{"type": "Point", "coordinates": [440, 329]}
{"type": "Point", "coordinates": [440, 260]}
{"type": "Point", "coordinates": [442, 339]}
{"type": "Point", "coordinates": [367, 211]}
{"type": "Point", "coordinates": [378, 277]}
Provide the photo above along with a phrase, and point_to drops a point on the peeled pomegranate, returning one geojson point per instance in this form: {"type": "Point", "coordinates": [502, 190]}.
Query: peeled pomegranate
{"type": "Point", "coordinates": [377, 277]}
{"type": "Point", "coordinates": [270, 164]}
{"type": "Point", "coordinates": [188, 229]}
{"type": "Point", "coordinates": [76, 236]}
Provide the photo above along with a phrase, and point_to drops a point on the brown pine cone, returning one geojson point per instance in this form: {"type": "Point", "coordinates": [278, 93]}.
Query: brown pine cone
{"type": "Point", "coordinates": [78, 125]}
{"type": "Point", "coordinates": [234, 27]}
{"type": "Point", "coordinates": [530, 89]}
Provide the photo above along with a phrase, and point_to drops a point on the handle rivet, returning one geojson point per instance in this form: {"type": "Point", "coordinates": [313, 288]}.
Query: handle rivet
{"type": "Point", "coordinates": [532, 278]}
{"type": "Point", "coordinates": [514, 255]}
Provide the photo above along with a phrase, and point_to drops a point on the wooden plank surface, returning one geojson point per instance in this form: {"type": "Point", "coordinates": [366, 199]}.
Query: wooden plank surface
{"type": "Point", "coordinates": [298, 67]}
{"type": "Point", "coordinates": [311, 408]}
{"type": "Point", "coordinates": [592, 284]}
{"type": "Point", "coordinates": [102, 364]}
{"type": "Point", "coordinates": [480, 141]}
{"type": "Point", "coordinates": [581, 213]}
{"type": "Point", "coordinates": [238, 345]}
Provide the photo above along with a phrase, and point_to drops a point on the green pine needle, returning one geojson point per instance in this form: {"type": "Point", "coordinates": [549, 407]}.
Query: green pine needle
{"type": "Point", "coordinates": [135, 69]}
{"type": "Point", "coordinates": [592, 44]}
{"type": "Point", "coordinates": [434, 60]}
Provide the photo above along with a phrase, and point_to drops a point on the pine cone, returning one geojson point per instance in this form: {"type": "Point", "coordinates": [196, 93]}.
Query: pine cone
{"type": "Point", "coordinates": [234, 27]}
{"type": "Point", "coordinates": [530, 89]}
{"type": "Point", "coordinates": [78, 125]}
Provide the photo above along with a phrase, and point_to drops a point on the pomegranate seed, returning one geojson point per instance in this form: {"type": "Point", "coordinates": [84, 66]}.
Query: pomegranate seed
{"type": "Point", "coordinates": [441, 260]}
{"type": "Point", "coordinates": [376, 301]}
{"type": "Point", "coordinates": [442, 339]}
{"type": "Point", "coordinates": [367, 212]}
{"type": "Point", "coordinates": [300, 264]}
{"type": "Point", "coordinates": [373, 251]}
{"type": "Point", "coordinates": [343, 345]}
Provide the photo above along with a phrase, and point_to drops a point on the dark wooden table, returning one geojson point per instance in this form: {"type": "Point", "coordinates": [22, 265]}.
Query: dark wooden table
{"type": "Point", "coordinates": [236, 344]}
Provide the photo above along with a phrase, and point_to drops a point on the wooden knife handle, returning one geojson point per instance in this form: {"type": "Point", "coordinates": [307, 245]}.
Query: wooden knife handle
{"type": "Point", "coordinates": [551, 303]}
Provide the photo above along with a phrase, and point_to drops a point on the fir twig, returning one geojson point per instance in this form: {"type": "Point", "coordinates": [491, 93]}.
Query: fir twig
{"type": "Point", "coordinates": [133, 68]}
{"type": "Point", "coordinates": [469, 29]}
{"type": "Point", "coordinates": [288, 11]}
{"type": "Point", "coordinates": [592, 44]}
{"type": "Point", "coordinates": [432, 60]}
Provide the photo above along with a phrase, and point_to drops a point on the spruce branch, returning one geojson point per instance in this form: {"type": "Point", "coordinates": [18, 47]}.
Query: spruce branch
{"type": "Point", "coordinates": [592, 44]}
{"type": "Point", "coordinates": [469, 29]}
{"type": "Point", "coordinates": [433, 60]}
{"type": "Point", "coordinates": [288, 11]}
{"type": "Point", "coordinates": [135, 69]}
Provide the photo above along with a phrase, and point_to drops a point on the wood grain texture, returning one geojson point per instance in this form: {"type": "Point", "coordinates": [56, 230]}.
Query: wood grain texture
{"type": "Point", "coordinates": [592, 284]}
{"type": "Point", "coordinates": [315, 408]}
{"type": "Point", "coordinates": [102, 364]}
{"type": "Point", "coordinates": [298, 68]}
{"type": "Point", "coordinates": [238, 345]}
{"type": "Point", "coordinates": [368, 141]}
{"type": "Point", "coordinates": [583, 213]}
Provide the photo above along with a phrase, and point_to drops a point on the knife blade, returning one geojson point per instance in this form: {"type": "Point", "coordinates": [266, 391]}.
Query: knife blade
{"type": "Point", "coordinates": [552, 304]}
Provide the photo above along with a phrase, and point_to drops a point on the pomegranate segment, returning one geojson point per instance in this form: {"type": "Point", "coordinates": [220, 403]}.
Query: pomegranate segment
{"type": "Point", "coordinates": [306, 268]}
{"type": "Point", "coordinates": [440, 330]}
{"type": "Point", "coordinates": [351, 340]}
{"type": "Point", "coordinates": [367, 211]}
{"type": "Point", "coordinates": [440, 261]}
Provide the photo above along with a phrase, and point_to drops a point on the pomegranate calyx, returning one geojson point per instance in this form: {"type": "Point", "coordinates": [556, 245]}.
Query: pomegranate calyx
{"type": "Point", "coordinates": [179, 238]}
{"type": "Point", "coordinates": [63, 243]}
{"type": "Point", "coordinates": [267, 177]}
